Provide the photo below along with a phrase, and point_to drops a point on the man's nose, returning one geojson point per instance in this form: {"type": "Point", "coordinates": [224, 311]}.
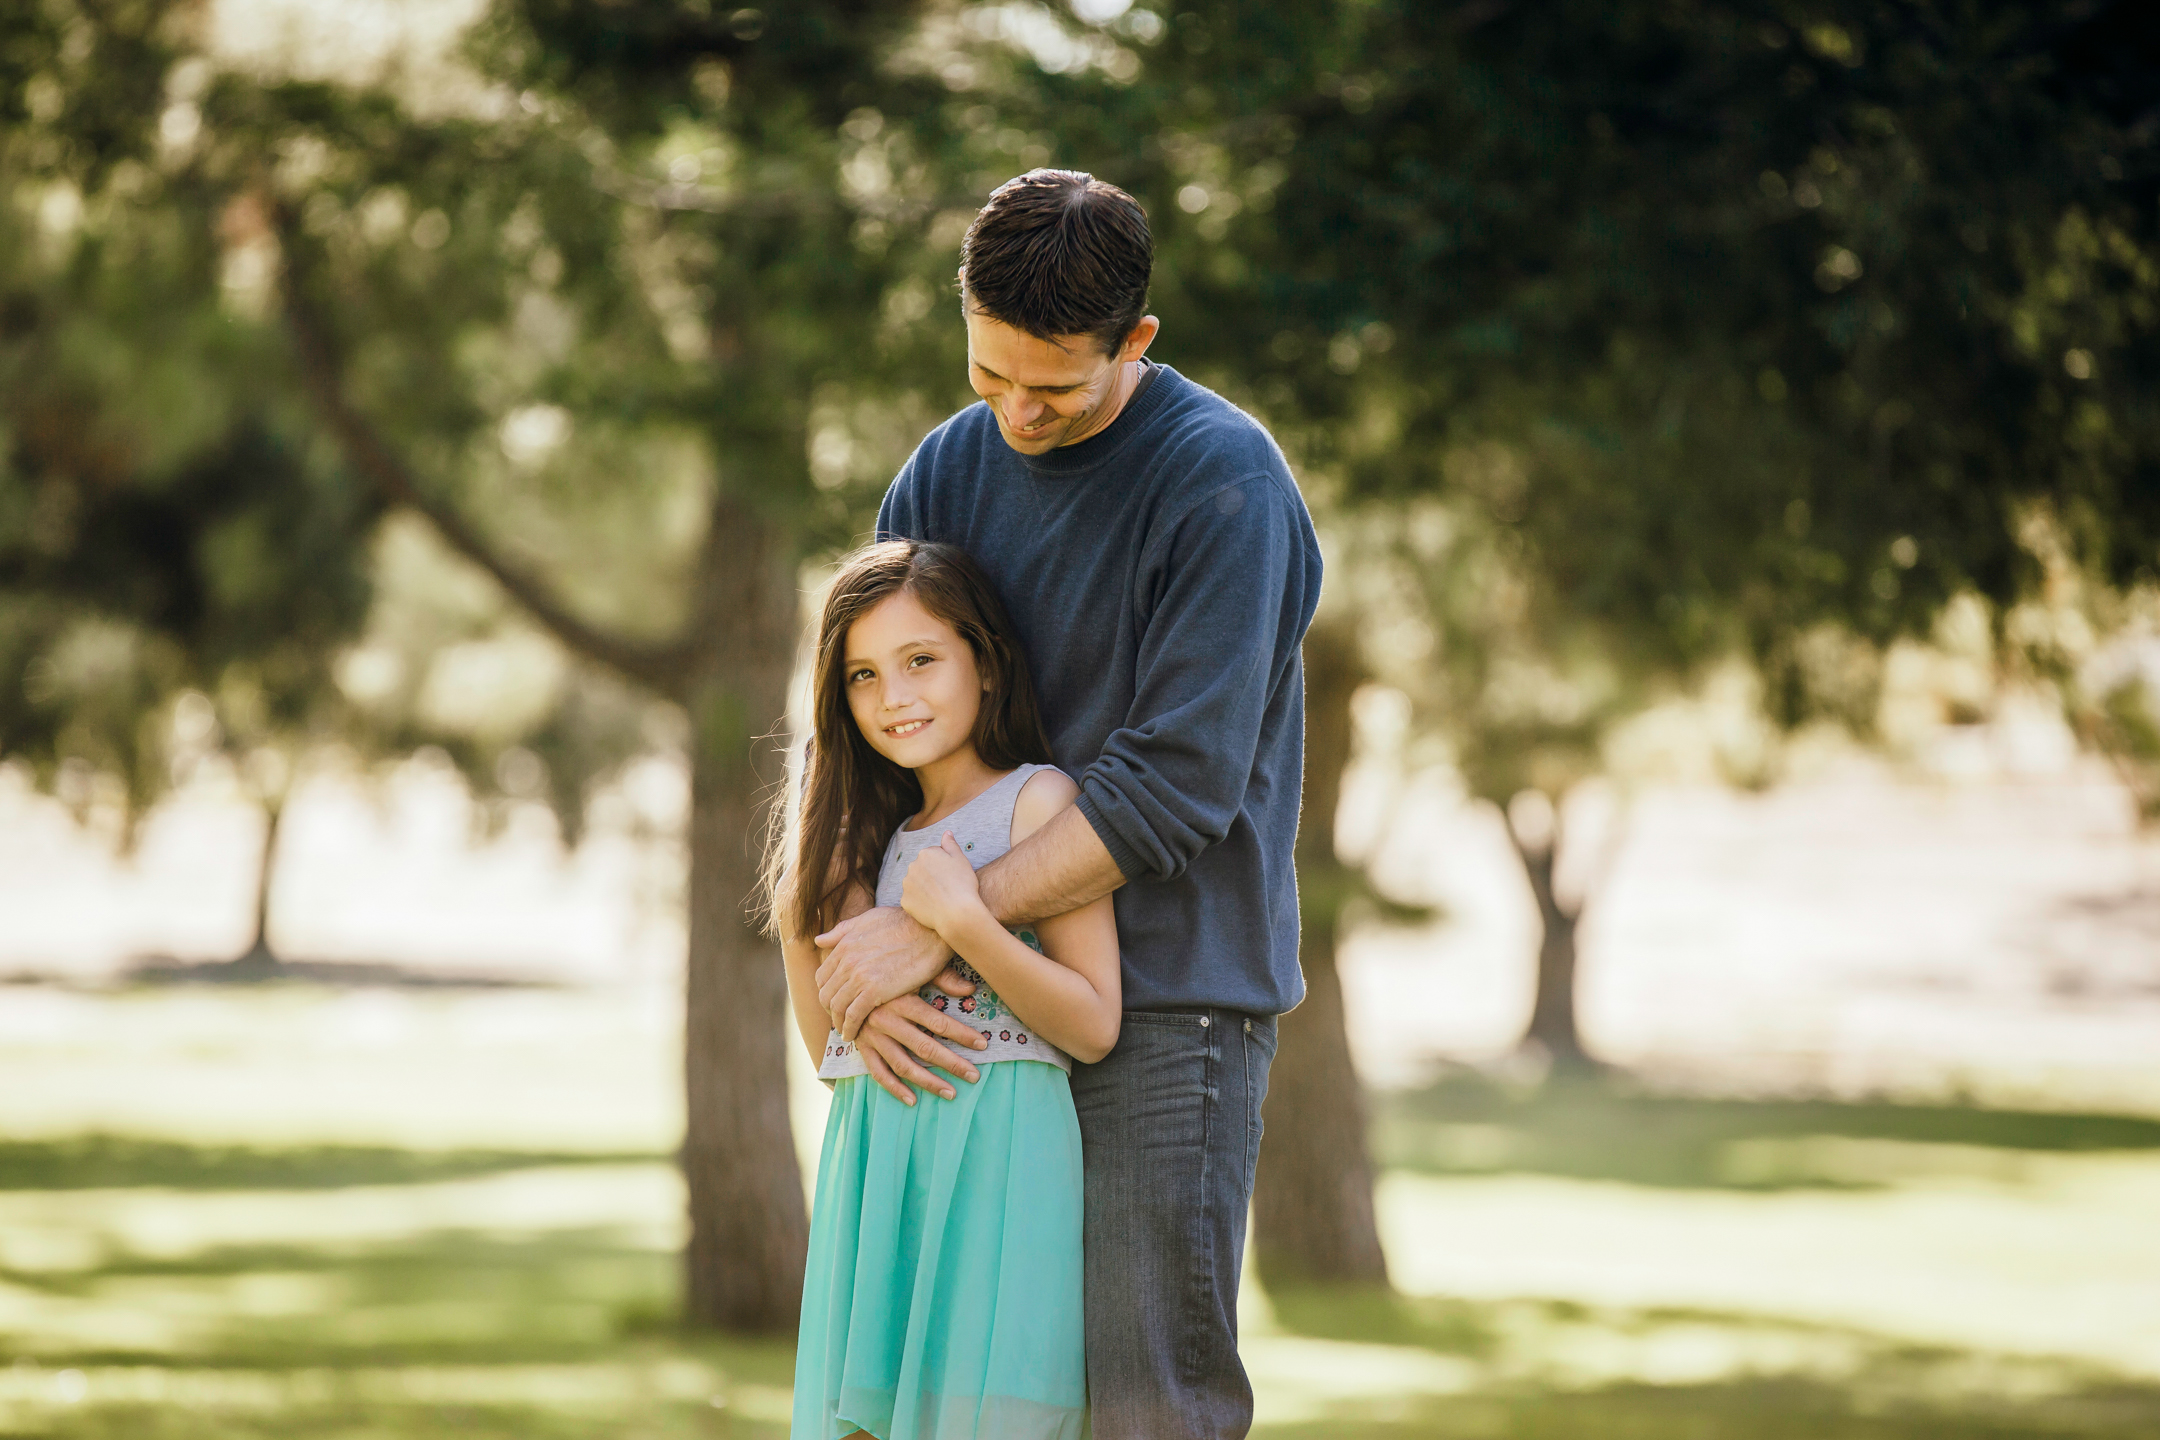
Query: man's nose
{"type": "Point", "coordinates": [1026, 410]}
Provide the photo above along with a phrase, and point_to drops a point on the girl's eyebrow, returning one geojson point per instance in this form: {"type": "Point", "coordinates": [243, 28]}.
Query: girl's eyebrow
{"type": "Point", "coordinates": [927, 642]}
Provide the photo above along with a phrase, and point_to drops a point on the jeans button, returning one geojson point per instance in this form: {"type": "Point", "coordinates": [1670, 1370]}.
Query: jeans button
{"type": "Point", "coordinates": [1248, 1027]}
{"type": "Point", "coordinates": [1203, 1022]}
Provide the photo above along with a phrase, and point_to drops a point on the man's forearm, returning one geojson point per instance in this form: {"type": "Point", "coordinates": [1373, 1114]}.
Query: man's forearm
{"type": "Point", "coordinates": [1058, 869]}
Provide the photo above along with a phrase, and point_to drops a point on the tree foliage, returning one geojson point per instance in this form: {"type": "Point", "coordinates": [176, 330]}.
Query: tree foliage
{"type": "Point", "coordinates": [1786, 314]}
{"type": "Point", "coordinates": [167, 528]}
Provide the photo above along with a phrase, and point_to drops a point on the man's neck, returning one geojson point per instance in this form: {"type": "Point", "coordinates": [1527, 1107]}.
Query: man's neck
{"type": "Point", "coordinates": [1127, 385]}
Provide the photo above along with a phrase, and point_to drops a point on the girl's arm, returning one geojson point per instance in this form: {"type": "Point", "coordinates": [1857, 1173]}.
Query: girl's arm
{"type": "Point", "coordinates": [800, 955]}
{"type": "Point", "coordinates": [1071, 994]}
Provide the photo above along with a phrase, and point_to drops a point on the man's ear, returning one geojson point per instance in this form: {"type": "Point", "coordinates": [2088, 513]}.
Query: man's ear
{"type": "Point", "coordinates": [1137, 341]}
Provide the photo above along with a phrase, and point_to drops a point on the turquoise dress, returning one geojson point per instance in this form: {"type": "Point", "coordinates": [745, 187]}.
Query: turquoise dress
{"type": "Point", "coordinates": [943, 1297]}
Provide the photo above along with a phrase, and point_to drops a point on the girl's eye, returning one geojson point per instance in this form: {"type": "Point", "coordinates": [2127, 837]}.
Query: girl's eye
{"type": "Point", "coordinates": [858, 675]}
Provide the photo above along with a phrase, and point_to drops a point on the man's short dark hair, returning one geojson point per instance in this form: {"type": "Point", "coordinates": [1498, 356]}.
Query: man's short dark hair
{"type": "Point", "coordinates": [1056, 253]}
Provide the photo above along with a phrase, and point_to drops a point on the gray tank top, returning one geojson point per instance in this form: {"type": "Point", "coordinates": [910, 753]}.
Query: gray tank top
{"type": "Point", "coordinates": [983, 827]}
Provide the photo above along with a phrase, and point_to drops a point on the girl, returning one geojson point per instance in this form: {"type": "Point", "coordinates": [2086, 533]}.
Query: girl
{"type": "Point", "coordinates": [943, 1296]}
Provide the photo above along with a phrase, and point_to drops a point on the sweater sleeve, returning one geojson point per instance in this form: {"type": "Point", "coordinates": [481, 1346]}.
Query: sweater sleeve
{"type": "Point", "coordinates": [899, 517]}
{"type": "Point", "coordinates": [1230, 609]}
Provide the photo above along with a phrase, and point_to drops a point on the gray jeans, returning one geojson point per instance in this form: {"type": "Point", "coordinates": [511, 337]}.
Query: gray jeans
{"type": "Point", "coordinates": [1170, 1130]}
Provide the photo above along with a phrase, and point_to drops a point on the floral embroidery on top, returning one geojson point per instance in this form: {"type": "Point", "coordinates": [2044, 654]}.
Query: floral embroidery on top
{"type": "Point", "coordinates": [984, 1003]}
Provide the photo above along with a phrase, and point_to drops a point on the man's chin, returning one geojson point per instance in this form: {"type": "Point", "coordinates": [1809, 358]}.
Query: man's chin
{"type": "Point", "coordinates": [1036, 444]}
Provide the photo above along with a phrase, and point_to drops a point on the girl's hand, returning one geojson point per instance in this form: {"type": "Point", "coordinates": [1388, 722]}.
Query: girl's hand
{"type": "Point", "coordinates": [939, 891]}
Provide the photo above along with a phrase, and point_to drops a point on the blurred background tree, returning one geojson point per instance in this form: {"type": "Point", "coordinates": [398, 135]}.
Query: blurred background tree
{"type": "Point", "coordinates": [179, 566]}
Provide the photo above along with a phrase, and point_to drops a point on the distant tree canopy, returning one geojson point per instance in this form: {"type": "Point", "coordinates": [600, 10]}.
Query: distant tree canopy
{"type": "Point", "coordinates": [1788, 313]}
{"type": "Point", "coordinates": [166, 525]}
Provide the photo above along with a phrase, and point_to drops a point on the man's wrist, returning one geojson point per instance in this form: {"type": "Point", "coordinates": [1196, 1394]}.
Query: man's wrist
{"type": "Point", "coordinates": [939, 961]}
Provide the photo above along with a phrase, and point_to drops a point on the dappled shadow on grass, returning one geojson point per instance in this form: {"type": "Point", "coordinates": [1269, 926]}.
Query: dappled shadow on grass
{"type": "Point", "coordinates": [96, 1162]}
{"type": "Point", "coordinates": [1746, 1409]}
{"type": "Point", "coordinates": [1385, 1317]}
{"type": "Point", "coordinates": [376, 1420]}
{"type": "Point", "coordinates": [1607, 1129]}
{"type": "Point", "coordinates": [164, 970]}
{"type": "Point", "coordinates": [708, 1387]}
{"type": "Point", "coordinates": [1557, 1369]}
{"type": "Point", "coordinates": [561, 1332]}
{"type": "Point", "coordinates": [441, 1297]}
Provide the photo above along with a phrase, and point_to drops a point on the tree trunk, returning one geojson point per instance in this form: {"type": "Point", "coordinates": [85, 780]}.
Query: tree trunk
{"type": "Point", "coordinates": [748, 1228]}
{"type": "Point", "coordinates": [1313, 1201]}
{"type": "Point", "coordinates": [1552, 1008]}
{"type": "Point", "coordinates": [259, 958]}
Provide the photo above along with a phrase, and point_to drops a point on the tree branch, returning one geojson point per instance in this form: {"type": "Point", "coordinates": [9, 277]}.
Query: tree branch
{"type": "Point", "coordinates": [658, 666]}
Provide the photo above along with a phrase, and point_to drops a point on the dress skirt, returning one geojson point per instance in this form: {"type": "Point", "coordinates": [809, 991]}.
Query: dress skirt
{"type": "Point", "coordinates": [943, 1295]}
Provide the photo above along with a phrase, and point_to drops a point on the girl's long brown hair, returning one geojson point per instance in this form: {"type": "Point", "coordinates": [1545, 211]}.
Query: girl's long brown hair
{"type": "Point", "coordinates": [854, 798]}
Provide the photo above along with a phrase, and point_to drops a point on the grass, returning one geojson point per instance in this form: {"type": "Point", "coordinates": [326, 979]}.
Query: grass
{"type": "Point", "coordinates": [1588, 1129]}
{"type": "Point", "coordinates": [1574, 1261]}
{"type": "Point", "coordinates": [92, 1162]}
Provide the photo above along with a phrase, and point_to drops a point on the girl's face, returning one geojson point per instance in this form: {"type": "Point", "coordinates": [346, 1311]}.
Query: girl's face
{"type": "Point", "coordinates": [911, 682]}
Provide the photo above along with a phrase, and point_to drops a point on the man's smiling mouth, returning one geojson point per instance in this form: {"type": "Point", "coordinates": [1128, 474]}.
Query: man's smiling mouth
{"type": "Point", "coordinates": [905, 728]}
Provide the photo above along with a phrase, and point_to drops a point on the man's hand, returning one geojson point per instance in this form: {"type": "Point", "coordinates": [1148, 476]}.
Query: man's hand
{"type": "Point", "coordinates": [879, 955]}
{"type": "Point", "coordinates": [899, 1039]}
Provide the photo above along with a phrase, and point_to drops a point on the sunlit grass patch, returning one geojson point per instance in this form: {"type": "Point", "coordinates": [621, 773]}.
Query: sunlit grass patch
{"type": "Point", "coordinates": [1555, 1368]}
{"type": "Point", "coordinates": [691, 1389]}
{"type": "Point", "coordinates": [1468, 1125]}
{"type": "Point", "coordinates": [2064, 1266]}
{"type": "Point", "coordinates": [298, 1067]}
{"type": "Point", "coordinates": [547, 1261]}
{"type": "Point", "coordinates": [1777, 1408]}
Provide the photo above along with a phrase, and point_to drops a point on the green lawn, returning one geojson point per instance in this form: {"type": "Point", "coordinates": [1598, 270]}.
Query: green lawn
{"type": "Point", "coordinates": [1577, 1261]}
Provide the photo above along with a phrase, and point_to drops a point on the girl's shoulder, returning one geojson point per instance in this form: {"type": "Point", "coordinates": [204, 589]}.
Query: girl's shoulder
{"type": "Point", "coordinates": [1042, 795]}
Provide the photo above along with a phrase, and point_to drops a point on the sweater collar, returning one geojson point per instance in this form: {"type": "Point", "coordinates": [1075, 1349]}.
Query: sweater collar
{"type": "Point", "coordinates": [1154, 392]}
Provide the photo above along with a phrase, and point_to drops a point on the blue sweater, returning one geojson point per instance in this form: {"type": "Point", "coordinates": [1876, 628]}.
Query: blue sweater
{"type": "Point", "coordinates": [1161, 574]}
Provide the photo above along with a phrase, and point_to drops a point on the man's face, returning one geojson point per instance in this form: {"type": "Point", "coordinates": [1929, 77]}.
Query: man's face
{"type": "Point", "coordinates": [1049, 393]}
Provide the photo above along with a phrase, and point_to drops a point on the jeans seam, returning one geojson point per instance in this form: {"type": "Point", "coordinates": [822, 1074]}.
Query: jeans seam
{"type": "Point", "coordinates": [1200, 1290]}
{"type": "Point", "coordinates": [1252, 1112]}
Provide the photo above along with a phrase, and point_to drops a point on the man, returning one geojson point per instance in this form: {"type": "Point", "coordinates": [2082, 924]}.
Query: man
{"type": "Point", "coordinates": [1161, 568]}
